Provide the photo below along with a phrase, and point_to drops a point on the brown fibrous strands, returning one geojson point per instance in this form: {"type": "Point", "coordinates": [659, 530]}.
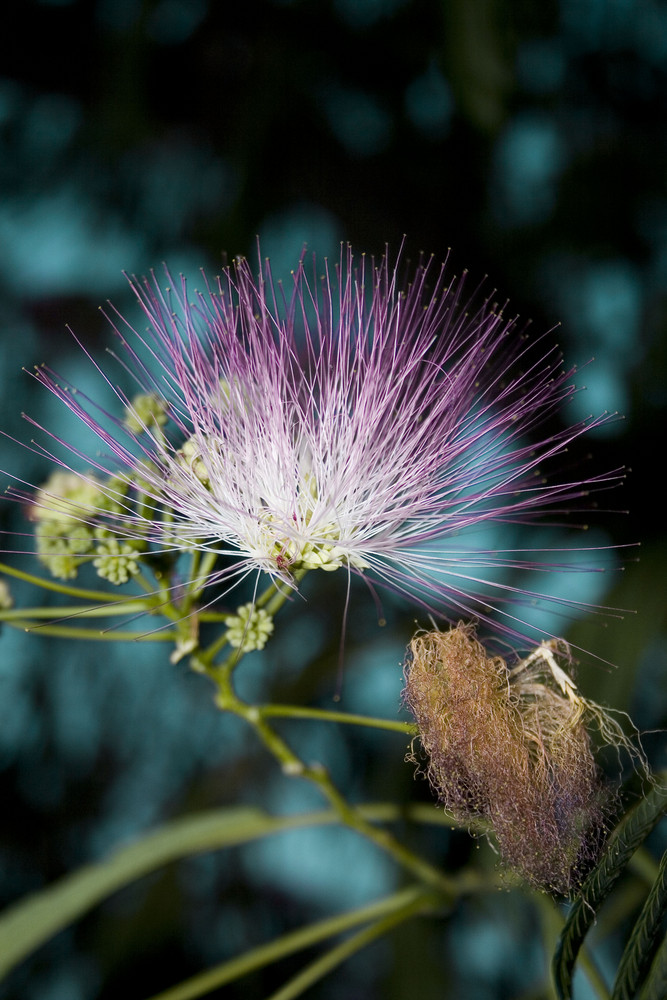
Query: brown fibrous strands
{"type": "Point", "coordinates": [509, 751]}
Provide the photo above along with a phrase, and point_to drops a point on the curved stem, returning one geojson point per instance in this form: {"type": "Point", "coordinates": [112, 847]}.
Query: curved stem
{"type": "Point", "coordinates": [88, 634]}
{"type": "Point", "coordinates": [289, 944]}
{"type": "Point", "coordinates": [422, 903]}
{"type": "Point", "coordinates": [227, 700]}
{"type": "Point", "coordinates": [103, 596]}
{"type": "Point", "coordinates": [347, 718]}
{"type": "Point", "coordinates": [75, 611]}
{"type": "Point", "coordinates": [292, 764]}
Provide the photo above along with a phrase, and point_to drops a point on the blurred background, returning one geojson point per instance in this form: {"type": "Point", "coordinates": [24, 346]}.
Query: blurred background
{"type": "Point", "coordinates": [529, 138]}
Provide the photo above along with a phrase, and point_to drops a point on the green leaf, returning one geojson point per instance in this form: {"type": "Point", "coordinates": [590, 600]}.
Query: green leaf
{"type": "Point", "coordinates": [655, 987]}
{"type": "Point", "coordinates": [629, 834]}
{"type": "Point", "coordinates": [336, 956]}
{"type": "Point", "coordinates": [32, 921]}
{"type": "Point", "coordinates": [640, 947]}
{"type": "Point", "coordinates": [415, 898]}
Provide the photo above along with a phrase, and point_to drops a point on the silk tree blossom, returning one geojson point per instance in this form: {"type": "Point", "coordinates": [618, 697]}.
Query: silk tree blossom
{"type": "Point", "coordinates": [345, 421]}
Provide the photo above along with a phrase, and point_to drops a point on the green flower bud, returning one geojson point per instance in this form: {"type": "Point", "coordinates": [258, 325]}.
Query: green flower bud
{"type": "Point", "coordinates": [145, 412]}
{"type": "Point", "coordinates": [60, 544]}
{"type": "Point", "coordinates": [249, 628]}
{"type": "Point", "coordinates": [190, 457]}
{"type": "Point", "coordinates": [116, 560]}
{"type": "Point", "coordinates": [65, 497]}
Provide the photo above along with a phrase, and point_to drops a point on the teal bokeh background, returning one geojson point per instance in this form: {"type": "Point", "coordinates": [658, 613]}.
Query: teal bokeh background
{"type": "Point", "coordinates": [532, 140]}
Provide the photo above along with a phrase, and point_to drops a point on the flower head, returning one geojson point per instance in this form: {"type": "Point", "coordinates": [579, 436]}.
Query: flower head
{"type": "Point", "coordinates": [344, 422]}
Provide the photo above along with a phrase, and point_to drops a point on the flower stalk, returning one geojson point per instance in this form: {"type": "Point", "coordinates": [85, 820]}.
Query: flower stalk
{"type": "Point", "coordinates": [292, 765]}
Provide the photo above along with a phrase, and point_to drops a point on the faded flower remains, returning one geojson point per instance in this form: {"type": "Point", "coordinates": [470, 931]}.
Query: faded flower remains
{"type": "Point", "coordinates": [345, 421]}
{"type": "Point", "coordinates": [509, 750]}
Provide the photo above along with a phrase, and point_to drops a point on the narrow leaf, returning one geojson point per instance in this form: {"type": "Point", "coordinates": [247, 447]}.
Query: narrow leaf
{"type": "Point", "coordinates": [33, 920]}
{"type": "Point", "coordinates": [640, 947]}
{"type": "Point", "coordinates": [629, 834]}
{"type": "Point", "coordinates": [655, 987]}
{"type": "Point", "coordinates": [336, 956]}
{"type": "Point", "coordinates": [287, 944]}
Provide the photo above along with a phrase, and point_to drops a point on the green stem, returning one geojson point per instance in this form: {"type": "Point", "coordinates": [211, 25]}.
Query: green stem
{"type": "Point", "coordinates": [275, 596]}
{"type": "Point", "coordinates": [76, 611]}
{"type": "Point", "coordinates": [326, 963]}
{"type": "Point", "coordinates": [645, 866]}
{"type": "Point", "coordinates": [61, 588]}
{"type": "Point", "coordinates": [348, 718]}
{"type": "Point", "coordinates": [351, 817]}
{"type": "Point", "coordinates": [227, 700]}
{"type": "Point", "coordinates": [289, 944]}
{"type": "Point", "coordinates": [200, 571]}
{"type": "Point", "coordinates": [291, 763]}
{"type": "Point", "coordinates": [595, 978]}
{"type": "Point", "coordinates": [160, 601]}
{"type": "Point", "coordinates": [71, 632]}
{"type": "Point", "coordinates": [273, 599]}
{"type": "Point", "coordinates": [194, 572]}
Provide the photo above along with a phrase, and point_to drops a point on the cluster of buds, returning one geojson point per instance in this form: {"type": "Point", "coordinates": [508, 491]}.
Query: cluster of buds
{"type": "Point", "coordinates": [250, 628]}
{"type": "Point", "coordinates": [66, 512]}
{"type": "Point", "coordinates": [146, 412]}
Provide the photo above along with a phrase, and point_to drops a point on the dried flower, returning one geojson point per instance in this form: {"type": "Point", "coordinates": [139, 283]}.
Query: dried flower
{"type": "Point", "coordinates": [345, 423]}
{"type": "Point", "coordinates": [509, 750]}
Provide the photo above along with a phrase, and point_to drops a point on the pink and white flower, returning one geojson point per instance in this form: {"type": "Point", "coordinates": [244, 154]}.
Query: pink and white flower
{"type": "Point", "coordinates": [343, 422]}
